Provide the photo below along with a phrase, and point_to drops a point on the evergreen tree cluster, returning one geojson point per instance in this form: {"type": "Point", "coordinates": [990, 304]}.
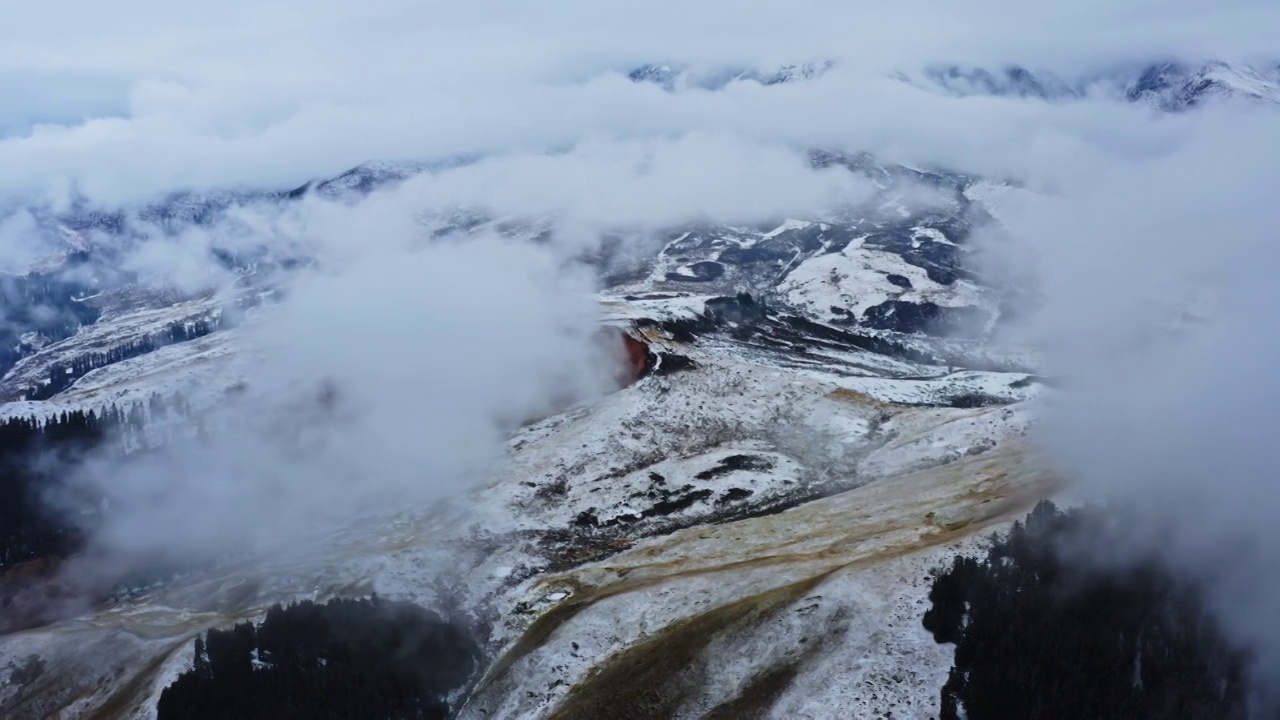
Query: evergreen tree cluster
{"type": "Point", "coordinates": [345, 659]}
{"type": "Point", "coordinates": [34, 453]}
{"type": "Point", "coordinates": [1040, 636]}
{"type": "Point", "coordinates": [62, 377]}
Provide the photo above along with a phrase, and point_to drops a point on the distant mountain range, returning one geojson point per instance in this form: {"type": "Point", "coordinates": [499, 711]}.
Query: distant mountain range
{"type": "Point", "coordinates": [678, 76]}
{"type": "Point", "coordinates": [1168, 85]}
{"type": "Point", "coordinates": [722, 260]}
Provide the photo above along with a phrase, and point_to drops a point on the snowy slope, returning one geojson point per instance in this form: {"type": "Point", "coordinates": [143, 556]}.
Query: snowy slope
{"type": "Point", "coordinates": [1167, 85]}
{"type": "Point", "coordinates": [766, 504]}
{"type": "Point", "coordinates": [200, 371]}
{"type": "Point", "coordinates": [841, 286]}
{"type": "Point", "coordinates": [897, 263]}
{"type": "Point", "coordinates": [748, 527]}
{"type": "Point", "coordinates": [816, 494]}
{"type": "Point", "coordinates": [35, 370]}
{"type": "Point", "coordinates": [1174, 87]}
{"type": "Point", "coordinates": [674, 77]}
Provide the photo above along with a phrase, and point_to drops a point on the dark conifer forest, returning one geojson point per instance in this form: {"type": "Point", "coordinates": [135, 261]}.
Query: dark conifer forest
{"type": "Point", "coordinates": [28, 474]}
{"type": "Point", "coordinates": [370, 659]}
{"type": "Point", "coordinates": [34, 455]}
{"type": "Point", "coordinates": [1039, 636]}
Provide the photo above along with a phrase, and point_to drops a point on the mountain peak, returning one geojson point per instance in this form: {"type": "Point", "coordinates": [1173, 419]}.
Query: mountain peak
{"type": "Point", "coordinates": [678, 76]}
{"type": "Point", "coordinates": [1170, 85]}
{"type": "Point", "coordinates": [1174, 86]}
{"type": "Point", "coordinates": [1011, 80]}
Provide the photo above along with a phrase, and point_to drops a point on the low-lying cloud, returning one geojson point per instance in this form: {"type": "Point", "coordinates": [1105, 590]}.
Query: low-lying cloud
{"type": "Point", "coordinates": [375, 387]}
{"type": "Point", "coordinates": [395, 364]}
{"type": "Point", "coordinates": [1156, 271]}
{"type": "Point", "coordinates": [147, 97]}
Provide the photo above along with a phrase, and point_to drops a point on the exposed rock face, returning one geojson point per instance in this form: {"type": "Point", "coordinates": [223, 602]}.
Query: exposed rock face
{"type": "Point", "coordinates": [637, 357]}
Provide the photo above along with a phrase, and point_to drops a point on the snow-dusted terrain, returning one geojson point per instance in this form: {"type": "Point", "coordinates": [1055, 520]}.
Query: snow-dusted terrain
{"type": "Point", "coordinates": [750, 526]}
{"type": "Point", "coordinates": [1168, 86]}
{"type": "Point", "coordinates": [763, 528]}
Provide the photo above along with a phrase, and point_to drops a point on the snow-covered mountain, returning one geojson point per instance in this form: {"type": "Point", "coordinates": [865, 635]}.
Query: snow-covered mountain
{"type": "Point", "coordinates": [1172, 86]}
{"type": "Point", "coordinates": [1169, 86]}
{"type": "Point", "coordinates": [677, 76]}
{"type": "Point", "coordinates": [786, 471]}
{"type": "Point", "coordinates": [894, 267]}
{"type": "Point", "coordinates": [821, 416]}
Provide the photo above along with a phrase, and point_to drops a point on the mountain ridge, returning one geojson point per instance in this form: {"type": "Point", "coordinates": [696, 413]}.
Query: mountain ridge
{"type": "Point", "coordinates": [1168, 85]}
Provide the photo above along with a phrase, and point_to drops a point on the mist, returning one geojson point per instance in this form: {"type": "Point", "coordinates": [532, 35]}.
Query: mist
{"type": "Point", "coordinates": [376, 388]}
{"type": "Point", "coordinates": [118, 106]}
{"type": "Point", "coordinates": [1156, 279]}
{"type": "Point", "coordinates": [393, 366]}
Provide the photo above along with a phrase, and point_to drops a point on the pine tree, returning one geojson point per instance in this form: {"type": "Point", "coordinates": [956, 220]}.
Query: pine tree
{"type": "Point", "coordinates": [343, 659]}
{"type": "Point", "coordinates": [1038, 637]}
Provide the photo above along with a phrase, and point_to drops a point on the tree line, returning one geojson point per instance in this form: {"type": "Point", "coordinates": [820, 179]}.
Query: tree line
{"type": "Point", "coordinates": [367, 658]}
{"type": "Point", "coordinates": [34, 456]}
{"type": "Point", "coordinates": [62, 376]}
{"type": "Point", "coordinates": [1040, 634]}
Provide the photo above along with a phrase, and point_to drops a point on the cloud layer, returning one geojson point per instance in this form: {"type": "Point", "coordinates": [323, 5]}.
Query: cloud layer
{"type": "Point", "coordinates": [1156, 267]}
{"type": "Point", "coordinates": [147, 97]}
{"type": "Point", "coordinates": [375, 388]}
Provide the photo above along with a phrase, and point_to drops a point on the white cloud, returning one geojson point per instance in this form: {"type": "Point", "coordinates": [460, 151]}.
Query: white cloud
{"type": "Point", "coordinates": [21, 243]}
{"type": "Point", "coordinates": [1170, 416]}
{"type": "Point", "coordinates": [376, 387]}
{"type": "Point", "coordinates": [138, 98]}
{"type": "Point", "coordinates": [652, 183]}
{"type": "Point", "coordinates": [433, 349]}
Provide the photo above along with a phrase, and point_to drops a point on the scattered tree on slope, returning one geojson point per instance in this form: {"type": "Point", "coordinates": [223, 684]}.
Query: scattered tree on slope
{"type": "Point", "coordinates": [62, 377]}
